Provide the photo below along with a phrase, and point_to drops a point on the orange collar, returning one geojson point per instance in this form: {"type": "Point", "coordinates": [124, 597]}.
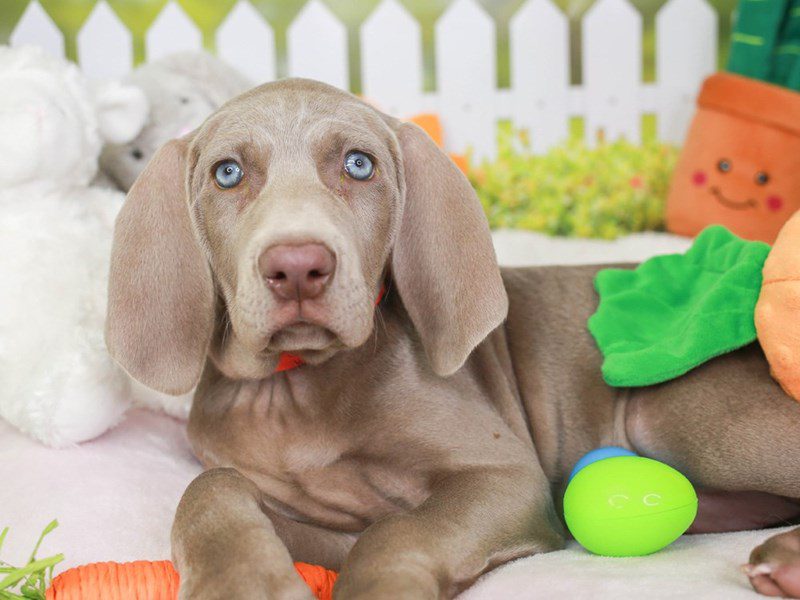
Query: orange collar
{"type": "Point", "coordinates": [289, 361]}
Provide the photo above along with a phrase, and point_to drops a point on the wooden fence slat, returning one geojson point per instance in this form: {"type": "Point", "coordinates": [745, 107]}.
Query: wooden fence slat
{"type": "Point", "coordinates": [105, 46]}
{"type": "Point", "coordinates": [172, 31]}
{"type": "Point", "coordinates": [466, 77]}
{"type": "Point", "coordinates": [540, 73]}
{"type": "Point", "coordinates": [36, 27]}
{"type": "Point", "coordinates": [686, 53]}
{"type": "Point", "coordinates": [317, 46]}
{"type": "Point", "coordinates": [246, 41]}
{"type": "Point", "coordinates": [612, 68]}
{"type": "Point", "coordinates": [391, 59]}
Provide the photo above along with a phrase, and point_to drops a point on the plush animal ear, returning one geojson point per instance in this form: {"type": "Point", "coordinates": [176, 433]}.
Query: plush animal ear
{"type": "Point", "coordinates": [443, 260]}
{"type": "Point", "coordinates": [122, 111]}
{"type": "Point", "coordinates": [160, 291]}
{"type": "Point", "coordinates": [214, 79]}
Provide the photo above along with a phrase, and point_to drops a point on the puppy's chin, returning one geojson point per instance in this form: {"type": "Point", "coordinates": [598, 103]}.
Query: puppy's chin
{"type": "Point", "coordinates": [313, 343]}
{"type": "Point", "coordinates": [314, 332]}
{"type": "Point", "coordinates": [241, 358]}
{"type": "Point", "coordinates": [301, 338]}
{"type": "Point", "coordinates": [317, 328]}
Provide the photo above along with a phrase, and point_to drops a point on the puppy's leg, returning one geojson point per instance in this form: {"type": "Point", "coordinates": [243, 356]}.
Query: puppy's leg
{"type": "Point", "coordinates": [473, 521]}
{"type": "Point", "coordinates": [225, 547]}
{"type": "Point", "coordinates": [729, 427]}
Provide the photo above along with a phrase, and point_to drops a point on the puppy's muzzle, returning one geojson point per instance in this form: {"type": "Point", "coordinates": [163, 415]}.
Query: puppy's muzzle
{"type": "Point", "coordinates": [297, 272]}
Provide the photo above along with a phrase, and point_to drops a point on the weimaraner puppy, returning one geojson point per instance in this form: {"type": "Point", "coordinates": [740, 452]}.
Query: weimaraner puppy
{"type": "Point", "coordinates": [425, 439]}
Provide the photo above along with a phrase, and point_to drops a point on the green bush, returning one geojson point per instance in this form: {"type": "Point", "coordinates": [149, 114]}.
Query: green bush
{"type": "Point", "coordinates": [574, 190]}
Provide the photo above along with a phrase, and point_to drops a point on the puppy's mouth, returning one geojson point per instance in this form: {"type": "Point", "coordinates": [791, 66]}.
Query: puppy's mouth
{"type": "Point", "coordinates": [728, 203]}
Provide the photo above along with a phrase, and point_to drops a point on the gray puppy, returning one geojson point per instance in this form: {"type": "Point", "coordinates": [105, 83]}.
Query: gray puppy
{"type": "Point", "coordinates": [182, 90]}
{"type": "Point", "coordinates": [429, 439]}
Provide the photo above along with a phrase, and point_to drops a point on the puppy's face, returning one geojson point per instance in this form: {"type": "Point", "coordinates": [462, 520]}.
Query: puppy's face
{"type": "Point", "coordinates": [294, 193]}
{"type": "Point", "coordinates": [271, 230]}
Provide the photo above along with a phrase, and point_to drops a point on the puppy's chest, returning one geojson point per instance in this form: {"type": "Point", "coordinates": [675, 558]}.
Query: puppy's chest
{"type": "Point", "coordinates": [310, 468]}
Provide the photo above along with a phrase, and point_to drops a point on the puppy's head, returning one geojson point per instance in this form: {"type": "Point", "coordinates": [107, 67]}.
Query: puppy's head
{"type": "Point", "coordinates": [273, 227]}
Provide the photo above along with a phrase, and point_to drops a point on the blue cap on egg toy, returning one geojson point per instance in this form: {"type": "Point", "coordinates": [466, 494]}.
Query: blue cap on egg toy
{"type": "Point", "coordinates": [599, 454]}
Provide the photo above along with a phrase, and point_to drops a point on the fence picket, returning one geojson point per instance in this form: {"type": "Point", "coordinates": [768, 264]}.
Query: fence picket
{"type": "Point", "coordinates": [611, 98]}
{"type": "Point", "coordinates": [245, 40]}
{"type": "Point", "coordinates": [540, 72]}
{"type": "Point", "coordinates": [466, 77]}
{"type": "Point", "coordinates": [391, 59]}
{"type": "Point", "coordinates": [172, 31]}
{"type": "Point", "coordinates": [36, 27]}
{"type": "Point", "coordinates": [612, 67]}
{"type": "Point", "coordinates": [105, 46]}
{"type": "Point", "coordinates": [686, 52]}
{"type": "Point", "coordinates": [317, 46]}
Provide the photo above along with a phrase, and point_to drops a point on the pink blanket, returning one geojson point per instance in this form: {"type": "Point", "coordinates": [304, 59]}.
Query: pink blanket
{"type": "Point", "coordinates": [114, 497]}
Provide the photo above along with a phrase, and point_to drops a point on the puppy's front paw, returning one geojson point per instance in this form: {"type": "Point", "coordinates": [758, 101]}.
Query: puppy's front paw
{"type": "Point", "coordinates": [774, 566]}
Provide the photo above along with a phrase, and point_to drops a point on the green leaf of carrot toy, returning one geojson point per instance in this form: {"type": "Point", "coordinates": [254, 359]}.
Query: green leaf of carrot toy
{"type": "Point", "coordinates": [675, 312]}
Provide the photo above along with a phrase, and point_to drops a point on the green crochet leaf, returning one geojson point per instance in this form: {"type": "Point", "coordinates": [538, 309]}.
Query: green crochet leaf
{"type": "Point", "coordinates": [675, 312]}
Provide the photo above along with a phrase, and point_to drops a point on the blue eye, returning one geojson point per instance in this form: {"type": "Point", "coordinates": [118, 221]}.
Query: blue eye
{"type": "Point", "coordinates": [228, 174]}
{"type": "Point", "coordinates": [358, 165]}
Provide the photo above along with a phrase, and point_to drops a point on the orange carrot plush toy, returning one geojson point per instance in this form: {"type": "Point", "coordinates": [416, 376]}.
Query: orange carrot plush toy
{"type": "Point", "coordinates": [778, 308]}
{"type": "Point", "coordinates": [152, 580]}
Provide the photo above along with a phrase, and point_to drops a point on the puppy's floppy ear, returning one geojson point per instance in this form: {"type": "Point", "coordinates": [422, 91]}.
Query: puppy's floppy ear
{"type": "Point", "coordinates": [443, 260]}
{"type": "Point", "coordinates": [160, 292]}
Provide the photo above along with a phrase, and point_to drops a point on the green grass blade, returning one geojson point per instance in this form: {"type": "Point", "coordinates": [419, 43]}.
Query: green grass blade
{"type": "Point", "coordinates": [28, 582]}
{"type": "Point", "coordinates": [37, 565]}
{"type": "Point", "coordinates": [50, 526]}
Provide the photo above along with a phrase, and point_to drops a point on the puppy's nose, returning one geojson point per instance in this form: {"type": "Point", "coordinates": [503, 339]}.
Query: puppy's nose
{"type": "Point", "coordinates": [297, 272]}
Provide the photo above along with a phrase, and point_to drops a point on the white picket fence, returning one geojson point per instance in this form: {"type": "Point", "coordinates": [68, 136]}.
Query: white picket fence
{"type": "Point", "coordinates": [612, 97]}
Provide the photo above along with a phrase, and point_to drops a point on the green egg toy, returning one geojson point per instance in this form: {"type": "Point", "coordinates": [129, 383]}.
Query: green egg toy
{"type": "Point", "coordinates": [621, 504]}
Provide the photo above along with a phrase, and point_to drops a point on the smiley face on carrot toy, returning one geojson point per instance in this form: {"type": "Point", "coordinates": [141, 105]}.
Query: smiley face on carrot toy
{"type": "Point", "coordinates": [773, 202]}
{"type": "Point", "coordinates": [740, 166]}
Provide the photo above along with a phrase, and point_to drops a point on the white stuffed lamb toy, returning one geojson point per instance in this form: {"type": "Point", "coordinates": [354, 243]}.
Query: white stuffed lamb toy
{"type": "Point", "coordinates": [57, 382]}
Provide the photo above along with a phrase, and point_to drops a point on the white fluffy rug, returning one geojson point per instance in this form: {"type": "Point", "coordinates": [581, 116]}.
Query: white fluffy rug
{"type": "Point", "coordinates": [519, 248]}
{"type": "Point", "coordinates": [115, 496]}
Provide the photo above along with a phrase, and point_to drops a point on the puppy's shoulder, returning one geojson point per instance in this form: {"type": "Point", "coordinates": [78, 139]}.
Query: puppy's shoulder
{"type": "Point", "coordinates": [554, 282]}
{"type": "Point", "coordinates": [555, 301]}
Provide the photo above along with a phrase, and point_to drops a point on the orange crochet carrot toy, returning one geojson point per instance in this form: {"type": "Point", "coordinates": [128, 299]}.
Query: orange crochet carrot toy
{"type": "Point", "coordinates": [152, 580]}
